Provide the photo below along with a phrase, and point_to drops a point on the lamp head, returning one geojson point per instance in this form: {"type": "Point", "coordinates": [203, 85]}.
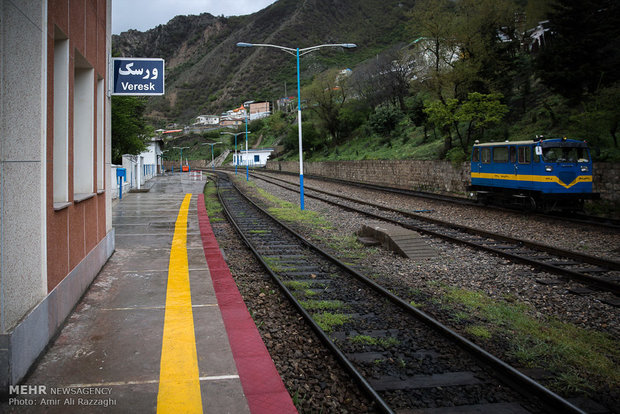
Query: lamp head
{"type": "Point", "coordinates": [348, 45]}
{"type": "Point", "coordinates": [242, 44]}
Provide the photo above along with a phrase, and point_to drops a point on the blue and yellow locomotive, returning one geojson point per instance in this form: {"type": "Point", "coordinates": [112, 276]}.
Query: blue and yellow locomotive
{"type": "Point", "coordinates": [543, 174]}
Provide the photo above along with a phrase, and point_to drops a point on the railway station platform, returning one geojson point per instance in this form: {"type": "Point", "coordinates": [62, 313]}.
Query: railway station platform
{"type": "Point", "coordinates": [162, 328]}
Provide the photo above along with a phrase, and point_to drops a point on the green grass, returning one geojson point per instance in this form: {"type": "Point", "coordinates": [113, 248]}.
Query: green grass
{"type": "Point", "coordinates": [575, 354]}
{"type": "Point", "coordinates": [285, 211]}
{"type": "Point", "coordinates": [369, 340]}
{"type": "Point", "coordinates": [375, 148]}
{"type": "Point", "coordinates": [212, 204]}
{"type": "Point", "coordinates": [327, 320]}
{"type": "Point", "coordinates": [277, 266]}
{"type": "Point", "coordinates": [296, 285]}
{"type": "Point", "coordinates": [302, 289]}
{"type": "Point", "coordinates": [479, 331]}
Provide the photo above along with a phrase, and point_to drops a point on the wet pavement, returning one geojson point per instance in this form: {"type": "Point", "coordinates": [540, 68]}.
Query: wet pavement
{"type": "Point", "coordinates": [108, 356]}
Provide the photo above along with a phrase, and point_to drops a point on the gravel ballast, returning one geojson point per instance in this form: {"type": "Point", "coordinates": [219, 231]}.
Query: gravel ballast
{"type": "Point", "coordinates": [453, 266]}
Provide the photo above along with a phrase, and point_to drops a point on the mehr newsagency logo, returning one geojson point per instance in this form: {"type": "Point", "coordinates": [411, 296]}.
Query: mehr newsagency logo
{"type": "Point", "coordinates": [42, 395]}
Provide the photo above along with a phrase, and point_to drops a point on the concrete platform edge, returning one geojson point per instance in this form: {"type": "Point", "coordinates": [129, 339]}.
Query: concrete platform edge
{"type": "Point", "coordinates": [21, 347]}
{"type": "Point", "coordinates": [263, 387]}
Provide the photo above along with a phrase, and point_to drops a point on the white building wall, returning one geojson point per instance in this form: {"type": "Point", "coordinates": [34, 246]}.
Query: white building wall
{"type": "Point", "coordinates": [257, 158]}
{"type": "Point", "coordinates": [23, 90]}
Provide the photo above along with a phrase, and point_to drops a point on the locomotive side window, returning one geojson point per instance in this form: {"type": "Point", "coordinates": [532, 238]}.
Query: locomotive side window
{"type": "Point", "coordinates": [525, 155]}
{"type": "Point", "coordinates": [476, 155]}
{"type": "Point", "coordinates": [485, 155]}
{"type": "Point", "coordinates": [500, 154]}
{"type": "Point", "coordinates": [513, 155]}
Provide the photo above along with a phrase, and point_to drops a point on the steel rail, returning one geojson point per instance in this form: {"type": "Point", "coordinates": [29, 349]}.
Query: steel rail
{"type": "Point", "coordinates": [581, 219]}
{"type": "Point", "coordinates": [605, 283]}
{"type": "Point", "coordinates": [504, 370]}
{"type": "Point", "coordinates": [342, 359]}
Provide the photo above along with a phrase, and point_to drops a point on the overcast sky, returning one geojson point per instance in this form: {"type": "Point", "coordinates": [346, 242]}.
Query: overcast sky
{"type": "Point", "coordinates": [146, 14]}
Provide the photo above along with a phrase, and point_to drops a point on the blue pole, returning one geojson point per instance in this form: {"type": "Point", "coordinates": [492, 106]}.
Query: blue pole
{"type": "Point", "coordinates": [301, 152]}
{"type": "Point", "coordinates": [212, 163]}
{"type": "Point", "coordinates": [247, 161]}
{"type": "Point", "coordinates": [236, 157]}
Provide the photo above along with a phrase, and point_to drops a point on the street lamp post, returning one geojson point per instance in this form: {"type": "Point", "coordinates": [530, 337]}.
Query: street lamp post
{"type": "Point", "coordinates": [212, 145]}
{"type": "Point", "coordinates": [237, 134]}
{"type": "Point", "coordinates": [246, 106]}
{"type": "Point", "coordinates": [297, 53]}
{"type": "Point", "coordinates": [181, 162]}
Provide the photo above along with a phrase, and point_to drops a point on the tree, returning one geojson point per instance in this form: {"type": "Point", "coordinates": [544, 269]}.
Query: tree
{"type": "Point", "coordinates": [432, 26]}
{"type": "Point", "coordinates": [464, 46]}
{"type": "Point", "coordinates": [486, 33]}
{"type": "Point", "coordinates": [467, 118]}
{"type": "Point", "coordinates": [600, 118]}
{"type": "Point", "coordinates": [129, 129]}
{"type": "Point", "coordinates": [385, 79]}
{"type": "Point", "coordinates": [583, 52]}
{"type": "Point", "coordinates": [326, 98]}
{"type": "Point", "coordinates": [385, 119]}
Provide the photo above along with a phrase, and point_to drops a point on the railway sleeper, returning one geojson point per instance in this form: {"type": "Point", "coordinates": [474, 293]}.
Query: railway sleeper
{"type": "Point", "coordinates": [449, 379]}
{"type": "Point", "coordinates": [374, 333]}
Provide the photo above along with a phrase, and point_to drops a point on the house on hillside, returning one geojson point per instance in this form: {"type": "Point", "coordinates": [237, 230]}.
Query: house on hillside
{"type": "Point", "coordinates": [259, 110]}
{"type": "Point", "coordinates": [233, 117]}
{"type": "Point", "coordinates": [207, 120]}
{"type": "Point", "coordinates": [237, 116]}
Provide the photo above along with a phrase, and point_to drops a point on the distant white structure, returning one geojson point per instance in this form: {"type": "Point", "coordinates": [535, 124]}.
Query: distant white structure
{"type": "Point", "coordinates": [253, 157]}
{"type": "Point", "coordinates": [141, 168]}
{"type": "Point", "coordinates": [236, 117]}
{"type": "Point", "coordinates": [207, 120]}
{"type": "Point", "coordinates": [538, 36]}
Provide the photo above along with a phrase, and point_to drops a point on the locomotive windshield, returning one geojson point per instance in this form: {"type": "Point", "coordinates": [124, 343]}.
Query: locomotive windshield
{"type": "Point", "coordinates": [565, 154]}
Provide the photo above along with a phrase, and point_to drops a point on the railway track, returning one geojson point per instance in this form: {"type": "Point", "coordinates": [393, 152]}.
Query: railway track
{"type": "Point", "coordinates": [576, 218]}
{"type": "Point", "coordinates": [599, 272]}
{"type": "Point", "coordinates": [400, 356]}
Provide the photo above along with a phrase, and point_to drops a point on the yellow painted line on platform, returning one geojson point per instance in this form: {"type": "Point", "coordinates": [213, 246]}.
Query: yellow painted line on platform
{"type": "Point", "coordinates": [179, 383]}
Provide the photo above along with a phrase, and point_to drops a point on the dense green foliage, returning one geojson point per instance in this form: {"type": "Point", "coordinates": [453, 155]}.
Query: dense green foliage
{"type": "Point", "coordinates": [472, 73]}
{"type": "Point", "coordinates": [429, 77]}
{"type": "Point", "coordinates": [130, 131]}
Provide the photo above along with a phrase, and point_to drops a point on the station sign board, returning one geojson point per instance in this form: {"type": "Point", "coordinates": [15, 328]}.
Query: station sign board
{"type": "Point", "coordinates": [137, 76]}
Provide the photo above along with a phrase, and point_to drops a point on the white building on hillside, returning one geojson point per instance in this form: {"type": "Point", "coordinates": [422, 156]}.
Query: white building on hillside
{"type": "Point", "coordinates": [207, 120]}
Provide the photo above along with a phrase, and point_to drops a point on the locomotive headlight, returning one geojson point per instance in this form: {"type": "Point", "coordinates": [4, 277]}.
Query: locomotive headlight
{"type": "Point", "coordinates": [584, 168]}
{"type": "Point", "coordinates": [548, 168]}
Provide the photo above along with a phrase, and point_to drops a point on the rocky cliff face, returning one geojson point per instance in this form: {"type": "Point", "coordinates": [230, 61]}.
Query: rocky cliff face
{"type": "Point", "coordinates": [206, 72]}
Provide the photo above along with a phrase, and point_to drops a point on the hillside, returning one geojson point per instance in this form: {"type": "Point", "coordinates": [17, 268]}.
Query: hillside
{"type": "Point", "coordinates": [207, 73]}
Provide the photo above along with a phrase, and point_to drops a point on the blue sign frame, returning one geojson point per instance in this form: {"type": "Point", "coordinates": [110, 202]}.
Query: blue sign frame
{"type": "Point", "coordinates": [137, 76]}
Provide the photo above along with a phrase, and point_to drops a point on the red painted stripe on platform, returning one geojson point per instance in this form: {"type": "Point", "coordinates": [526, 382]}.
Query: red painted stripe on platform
{"type": "Point", "coordinates": [262, 385]}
